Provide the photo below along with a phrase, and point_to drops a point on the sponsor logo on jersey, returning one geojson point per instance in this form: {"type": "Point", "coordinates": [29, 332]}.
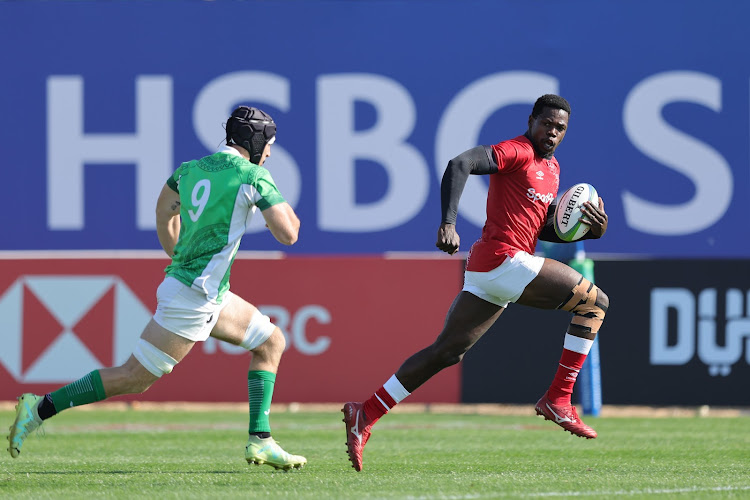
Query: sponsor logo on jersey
{"type": "Point", "coordinates": [544, 198]}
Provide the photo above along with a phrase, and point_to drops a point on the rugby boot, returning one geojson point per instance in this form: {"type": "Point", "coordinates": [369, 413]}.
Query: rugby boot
{"type": "Point", "coordinates": [565, 416]}
{"type": "Point", "coordinates": [27, 421]}
{"type": "Point", "coordinates": [357, 432]}
{"type": "Point", "coordinates": [267, 451]}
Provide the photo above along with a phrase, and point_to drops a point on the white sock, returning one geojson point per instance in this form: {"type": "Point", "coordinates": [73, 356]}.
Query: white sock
{"type": "Point", "coordinates": [577, 344]}
{"type": "Point", "coordinates": [395, 389]}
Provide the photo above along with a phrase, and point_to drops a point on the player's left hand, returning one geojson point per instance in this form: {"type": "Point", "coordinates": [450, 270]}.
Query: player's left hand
{"type": "Point", "coordinates": [595, 217]}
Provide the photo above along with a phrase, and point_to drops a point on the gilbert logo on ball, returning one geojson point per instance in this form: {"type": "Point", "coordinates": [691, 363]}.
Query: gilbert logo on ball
{"type": "Point", "coordinates": [568, 225]}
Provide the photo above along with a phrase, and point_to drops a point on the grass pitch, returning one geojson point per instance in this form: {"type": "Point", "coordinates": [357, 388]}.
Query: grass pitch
{"type": "Point", "coordinates": [103, 453]}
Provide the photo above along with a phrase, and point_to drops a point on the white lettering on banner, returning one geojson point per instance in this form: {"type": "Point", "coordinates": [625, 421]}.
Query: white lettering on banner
{"type": "Point", "coordinates": [215, 103]}
{"type": "Point", "coordinates": [719, 358]}
{"type": "Point", "coordinates": [471, 108]}
{"type": "Point", "coordinates": [299, 335]}
{"type": "Point", "coordinates": [653, 136]}
{"type": "Point", "coordinates": [384, 143]}
{"type": "Point", "coordinates": [340, 145]}
{"type": "Point", "coordinates": [294, 328]}
{"type": "Point", "coordinates": [69, 148]}
{"type": "Point", "coordinates": [662, 301]}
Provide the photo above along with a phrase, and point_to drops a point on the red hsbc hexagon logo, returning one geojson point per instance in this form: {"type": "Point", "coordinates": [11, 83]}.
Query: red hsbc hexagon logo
{"type": "Point", "coordinates": [53, 328]}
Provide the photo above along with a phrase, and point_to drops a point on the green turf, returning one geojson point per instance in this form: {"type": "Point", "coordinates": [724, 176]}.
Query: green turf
{"type": "Point", "coordinates": [139, 454]}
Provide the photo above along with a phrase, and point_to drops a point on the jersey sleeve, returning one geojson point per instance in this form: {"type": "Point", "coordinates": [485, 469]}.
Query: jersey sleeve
{"type": "Point", "coordinates": [174, 180]}
{"type": "Point", "coordinates": [475, 161]}
{"type": "Point", "coordinates": [267, 190]}
{"type": "Point", "coordinates": [172, 184]}
{"type": "Point", "coordinates": [511, 155]}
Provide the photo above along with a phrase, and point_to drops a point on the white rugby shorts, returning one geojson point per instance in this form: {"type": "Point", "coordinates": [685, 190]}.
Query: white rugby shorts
{"type": "Point", "coordinates": [505, 283]}
{"type": "Point", "coordinates": [185, 311]}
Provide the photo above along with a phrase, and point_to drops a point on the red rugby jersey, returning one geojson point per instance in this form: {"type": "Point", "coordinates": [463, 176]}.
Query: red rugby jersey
{"type": "Point", "coordinates": [517, 201]}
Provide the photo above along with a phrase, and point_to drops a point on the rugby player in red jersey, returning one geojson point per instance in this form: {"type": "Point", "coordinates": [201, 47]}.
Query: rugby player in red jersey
{"type": "Point", "coordinates": [502, 268]}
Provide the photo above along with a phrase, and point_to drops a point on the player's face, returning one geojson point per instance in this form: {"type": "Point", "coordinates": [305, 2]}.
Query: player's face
{"type": "Point", "coordinates": [547, 130]}
{"type": "Point", "coordinates": [266, 154]}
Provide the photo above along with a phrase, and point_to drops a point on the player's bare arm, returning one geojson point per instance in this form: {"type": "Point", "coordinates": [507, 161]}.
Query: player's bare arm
{"type": "Point", "coordinates": [596, 218]}
{"type": "Point", "coordinates": [282, 222]}
{"type": "Point", "coordinates": [168, 219]}
{"type": "Point", "coordinates": [475, 161]}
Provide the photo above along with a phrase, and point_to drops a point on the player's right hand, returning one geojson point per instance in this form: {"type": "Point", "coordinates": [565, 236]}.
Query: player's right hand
{"type": "Point", "coordinates": [595, 217]}
{"type": "Point", "coordinates": [447, 238]}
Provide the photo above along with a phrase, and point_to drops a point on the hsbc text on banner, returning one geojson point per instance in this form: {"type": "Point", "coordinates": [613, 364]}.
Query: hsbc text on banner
{"type": "Point", "coordinates": [349, 323]}
{"type": "Point", "coordinates": [96, 115]}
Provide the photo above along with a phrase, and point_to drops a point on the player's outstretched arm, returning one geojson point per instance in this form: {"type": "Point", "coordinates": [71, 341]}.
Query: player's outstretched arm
{"type": "Point", "coordinates": [168, 219]}
{"type": "Point", "coordinates": [283, 223]}
{"type": "Point", "coordinates": [475, 161]}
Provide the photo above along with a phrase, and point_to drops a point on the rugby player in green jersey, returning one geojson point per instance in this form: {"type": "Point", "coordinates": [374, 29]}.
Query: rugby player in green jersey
{"type": "Point", "coordinates": [201, 215]}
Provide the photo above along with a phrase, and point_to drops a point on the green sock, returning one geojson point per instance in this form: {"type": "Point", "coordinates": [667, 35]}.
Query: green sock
{"type": "Point", "coordinates": [88, 389]}
{"type": "Point", "coordinates": [260, 392]}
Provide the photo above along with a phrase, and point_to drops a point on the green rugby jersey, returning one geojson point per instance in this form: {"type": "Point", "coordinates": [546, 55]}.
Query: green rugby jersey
{"type": "Point", "coordinates": [218, 196]}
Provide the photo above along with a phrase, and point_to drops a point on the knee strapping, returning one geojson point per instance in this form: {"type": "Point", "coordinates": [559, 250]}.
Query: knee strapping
{"type": "Point", "coordinates": [588, 305]}
{"type": "Point", "coordinates": [258, 331]}
{"type": "Point", "coordinates": [153, 359]}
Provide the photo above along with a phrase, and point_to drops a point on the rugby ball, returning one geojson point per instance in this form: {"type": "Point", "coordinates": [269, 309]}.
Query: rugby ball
{"type": "Point", "coordinates": [568, 211]}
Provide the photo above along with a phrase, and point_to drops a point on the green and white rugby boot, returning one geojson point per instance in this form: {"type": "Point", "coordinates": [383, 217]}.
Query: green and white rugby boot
{"type": "Point", "coordinates": [27, 421]}
{"type": "Point", "coordinates": [261, 451]}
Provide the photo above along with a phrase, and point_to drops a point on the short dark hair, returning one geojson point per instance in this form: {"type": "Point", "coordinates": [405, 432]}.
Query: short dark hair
{"type": "Point", "coordinates": [549, 101]}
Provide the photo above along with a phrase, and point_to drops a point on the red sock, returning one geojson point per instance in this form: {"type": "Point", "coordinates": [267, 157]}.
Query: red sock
{"type": "Point", "coordinates": [378, 405]}
{"type": "Point", "coordinates": [567, 373]}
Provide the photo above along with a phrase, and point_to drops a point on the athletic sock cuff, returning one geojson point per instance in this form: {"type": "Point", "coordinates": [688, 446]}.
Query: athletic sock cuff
{"type": "Point", "coordinates": [261, 374]}
{"type": "Point", "coordinates": [396, 390]}
{"type": "Point", "coordinates": [96, 382]}
{"type": "Point", "coordinates": [577, 344]}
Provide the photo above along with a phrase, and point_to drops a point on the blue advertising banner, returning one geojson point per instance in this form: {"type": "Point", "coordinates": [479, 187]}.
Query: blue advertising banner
{"type": "Point", "coordinates": [101, 101]}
